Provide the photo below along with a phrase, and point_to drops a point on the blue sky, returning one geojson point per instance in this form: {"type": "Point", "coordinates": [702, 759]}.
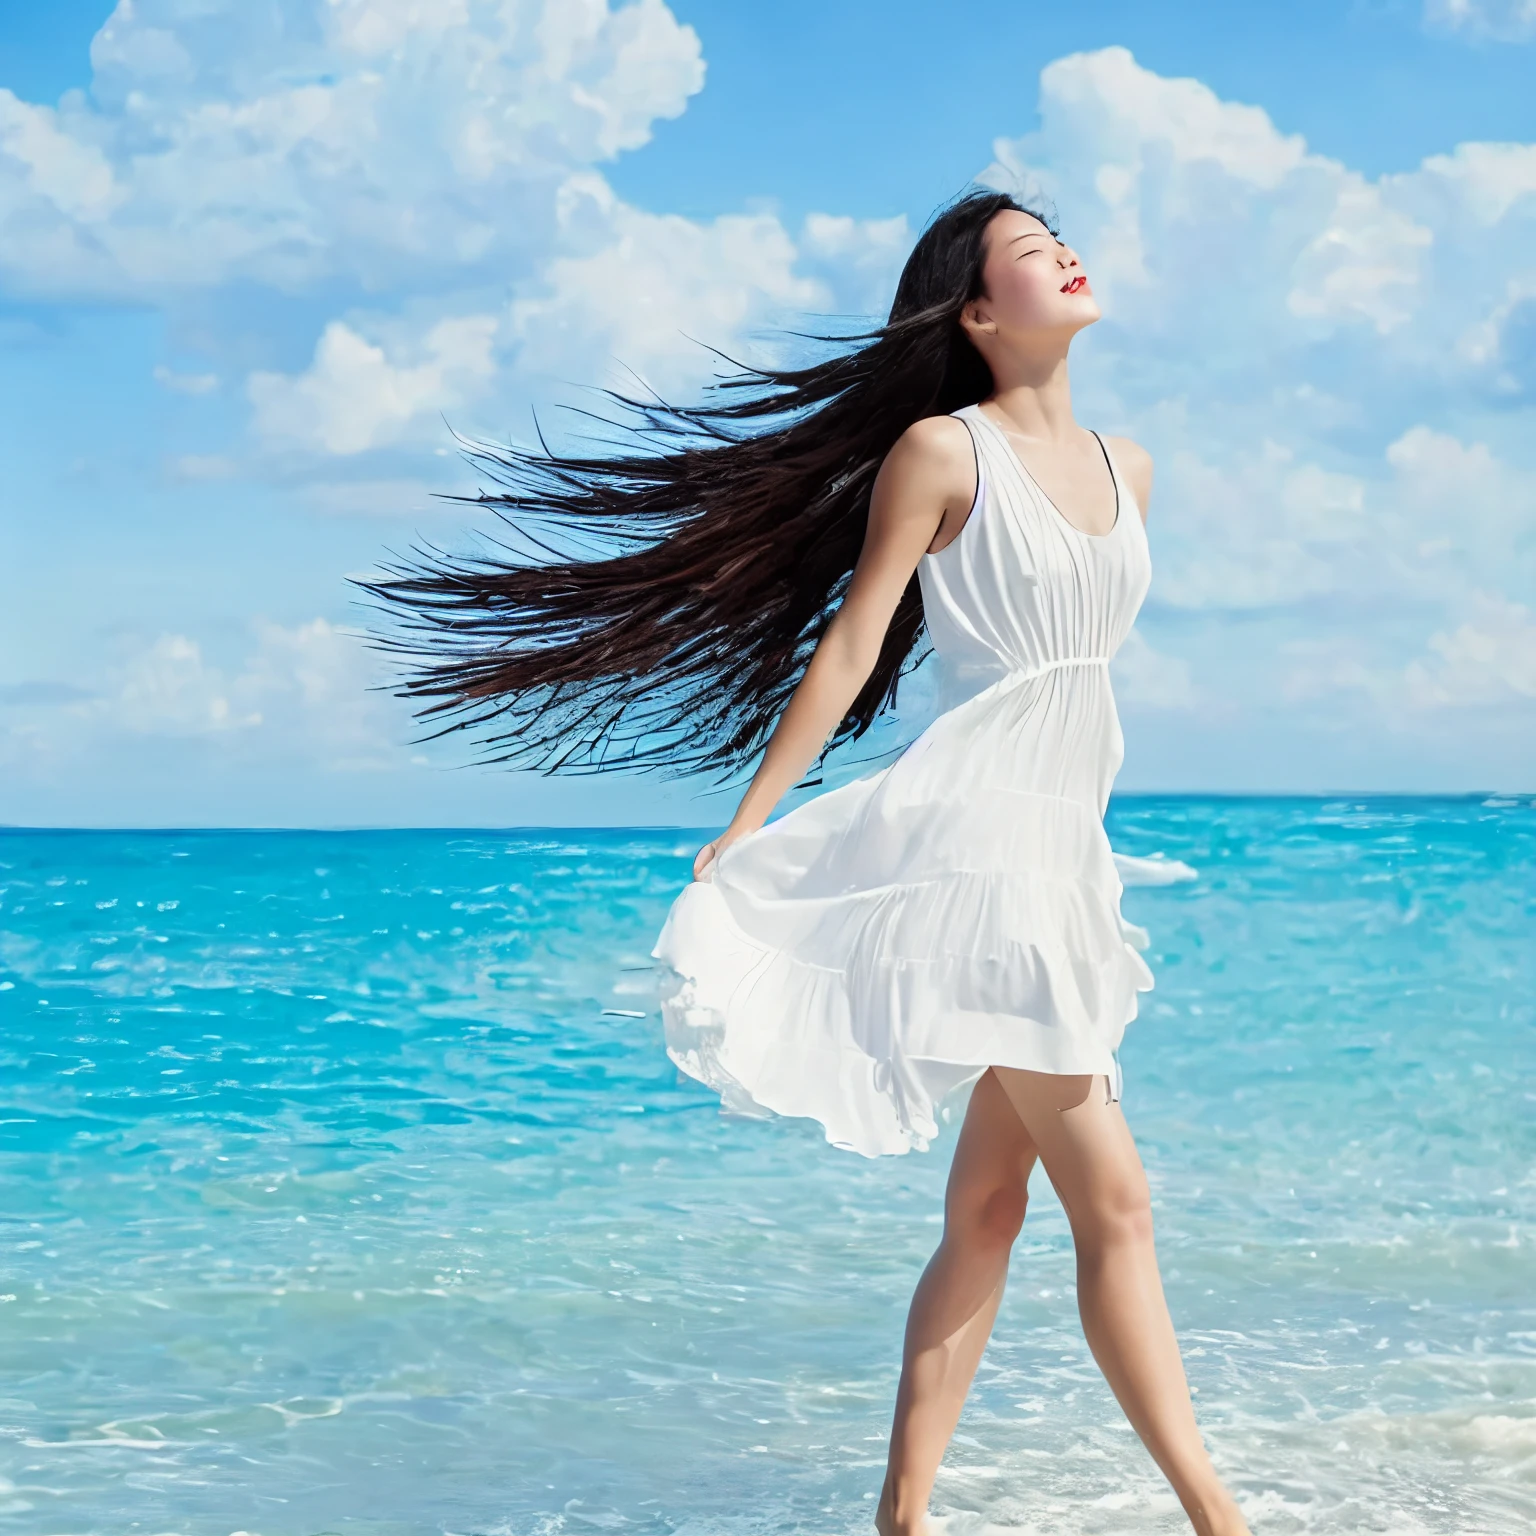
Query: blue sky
{"type": "Point", "coordinates": [252, 257]}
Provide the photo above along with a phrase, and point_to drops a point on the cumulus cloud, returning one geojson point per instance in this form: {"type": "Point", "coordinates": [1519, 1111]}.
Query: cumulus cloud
{"type": "Point", "coordinates": [860, 258]}
{"type": "Point", "coordinates": [1201, 214]}
{"type": "Point", "coordinates": [356, 395]}
{"type": "Point", "coordinates": [439, 161]}
{"type": "Point", "coordinates": [300, 141]}
{"type": "Point", "coordinates": [1346, 501]}
{"type": "Point", "coordinates": [630, 296]}
{"type": "Point", "coordinates": [167, 689]}
{"type": "Point", "coordinates": [1290, 338]}
{"type": "Point", "coordinates": [1429, 521]}
{"type": "Point", "coordinates": [1490, 659]}
{"type": "Point", "coordinates": [312, 682]}
{"type": "Point", "coordinates": [1213, 229]}
{"type": "Point", "coordinates": [647, 289]}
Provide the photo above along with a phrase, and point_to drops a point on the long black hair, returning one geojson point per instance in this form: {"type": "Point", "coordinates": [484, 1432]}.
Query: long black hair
{"type": "Point", "coordinates": [725, 534]}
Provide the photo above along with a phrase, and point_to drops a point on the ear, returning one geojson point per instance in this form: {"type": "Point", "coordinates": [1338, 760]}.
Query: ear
{"type": "Point", "coordinates": [975, 321]}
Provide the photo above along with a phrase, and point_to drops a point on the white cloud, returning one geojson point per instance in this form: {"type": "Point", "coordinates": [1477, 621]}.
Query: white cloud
{"type": "Point", "coordinates": [371, 27]}
{"type": "Point", "coordinates": [881, 243]}
{"type": "Point", "coordinates": [1205, 220]}
{"type": "Point", "coordinates": [1363, 262]}
{"type": "Point", "coordinates": [299, 692]}
{"type": "Point", "coordinates": [860, 259]}
{"type": "Point", "coordinates": [1506, 20]}
{"type": "Point", "coordinates": [1211, 230]}
{"type": "Point", "coordinates": [312, 683]}
{"type": "Point", "coordinates": [1455, 519]}
{"type": "Point", "coordinates": [630, 294]}
{"type": "Point", "coordinates": [1489, 659]}
{"type": "Point", "coordinates": [1184, 119]}
{"type": "Point", "coordinates": [45, 166]}
{"type": "Point", "coordinates": [1260, 531]}
{"type": "Point", "coordinates": [438, 161]}
{"type": "Point", "coordinates": [1346, 496]}
{"type": "Point", "coordinates": [167, 689]}
{"type": "Point", "coordinates": [1432, 521]}
{"type": "Point", "coordinates": [651, 288]}
{"type": "Point", "coordinates": [1484, 662]}
{"type": "Point", "coordinates": [1149, 679]}
{"type": "Point", "coordinates": [355, 396]}
{"type": "Point", "coordinates": [302, 141]}
{"type": "Point", "coordinates": [1290, 338]}
{"type": "Point", "coordinates": [1485, 180]}
{"type": "Point", "coordinates": [650, 293]}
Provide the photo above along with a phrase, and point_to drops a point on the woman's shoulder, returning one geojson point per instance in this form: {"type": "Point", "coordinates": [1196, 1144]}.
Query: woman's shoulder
{"type": "Point", "coordinates": [1136, 465]}
{"type": "Point", "coordinates": [940, 436]}
{"type": "Point", "coordinates": [936, 445]}
{"type": "Point", "coordinates": [934, 456]}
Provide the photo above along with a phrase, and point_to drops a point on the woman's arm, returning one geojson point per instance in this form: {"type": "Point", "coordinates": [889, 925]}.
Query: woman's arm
{"type": "Point", "coordinates": [928, 481]}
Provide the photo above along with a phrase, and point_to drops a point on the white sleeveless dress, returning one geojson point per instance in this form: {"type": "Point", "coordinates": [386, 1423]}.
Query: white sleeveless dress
{"type": "Point", "coordinates": [882, 944]}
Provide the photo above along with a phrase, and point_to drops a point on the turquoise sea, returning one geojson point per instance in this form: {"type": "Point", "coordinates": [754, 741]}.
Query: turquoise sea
{"type": "Point", "coordinates": [347, 1189]}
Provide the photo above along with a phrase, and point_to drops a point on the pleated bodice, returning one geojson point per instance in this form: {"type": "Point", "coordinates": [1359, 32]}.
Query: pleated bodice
{"type": "Point", "coordinates": [1021, 592]}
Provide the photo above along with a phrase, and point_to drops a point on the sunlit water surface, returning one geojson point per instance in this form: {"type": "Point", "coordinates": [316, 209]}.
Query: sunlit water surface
{"type": "Point", "coordinates": [347, 1189]}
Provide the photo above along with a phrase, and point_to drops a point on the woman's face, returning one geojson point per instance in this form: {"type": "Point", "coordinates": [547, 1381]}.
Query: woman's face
{"type": "Point", "coordinates": [1031, 283]}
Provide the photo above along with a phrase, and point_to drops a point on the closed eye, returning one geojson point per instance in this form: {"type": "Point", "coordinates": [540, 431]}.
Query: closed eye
{"type": "Point", "coordinates": [1034, 250]}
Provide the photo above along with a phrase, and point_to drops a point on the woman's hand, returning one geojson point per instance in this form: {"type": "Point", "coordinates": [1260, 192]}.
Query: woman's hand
{"type": "Point", "coordinates": [711, 851]}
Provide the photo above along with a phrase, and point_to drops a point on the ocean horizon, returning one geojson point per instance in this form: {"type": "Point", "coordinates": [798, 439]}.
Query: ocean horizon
{"type": "Point", "coordinates": [707, 829]}
{"type": "Point", "coordinates": [349, 1190]}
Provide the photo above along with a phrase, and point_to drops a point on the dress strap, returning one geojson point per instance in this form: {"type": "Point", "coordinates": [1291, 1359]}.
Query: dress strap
{"type": "Point", "coordinates": [1114, 480]}
{"type": "Point", "coordinates": [964, 414]}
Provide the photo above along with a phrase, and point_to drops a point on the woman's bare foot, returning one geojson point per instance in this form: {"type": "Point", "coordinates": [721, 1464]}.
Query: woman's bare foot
{"type": "Point", "coordinates": [1218, 1515]}
{"type": "Point", "coordinates": [887, 1523]}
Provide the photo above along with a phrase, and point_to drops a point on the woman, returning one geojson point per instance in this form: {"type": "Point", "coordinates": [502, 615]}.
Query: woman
{"type": "Point", "coordinates": [952, 919]}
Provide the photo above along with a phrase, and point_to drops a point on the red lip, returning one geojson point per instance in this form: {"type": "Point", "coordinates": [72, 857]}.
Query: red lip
{"type": "Point", "coordinates": [1077, 283]}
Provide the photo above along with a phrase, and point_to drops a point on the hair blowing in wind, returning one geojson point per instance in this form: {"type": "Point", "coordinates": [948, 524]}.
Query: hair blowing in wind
{"type": "Point", "coordinates": [718, 548]}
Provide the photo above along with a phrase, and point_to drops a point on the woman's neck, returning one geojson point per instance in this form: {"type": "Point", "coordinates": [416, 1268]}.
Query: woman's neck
{"type": "Point", "coordinates": [1034, 400]}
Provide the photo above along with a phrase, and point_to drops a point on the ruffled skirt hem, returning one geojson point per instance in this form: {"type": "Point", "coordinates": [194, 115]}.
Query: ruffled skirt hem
{"type": "Point", "coordinates": [887, 1002]}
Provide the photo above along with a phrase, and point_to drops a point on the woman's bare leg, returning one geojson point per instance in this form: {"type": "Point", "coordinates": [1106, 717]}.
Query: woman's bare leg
{"type": "Point", "coordinates": [1092, 1162]}
{"type": "Point", "coordinates": [956, 1300]}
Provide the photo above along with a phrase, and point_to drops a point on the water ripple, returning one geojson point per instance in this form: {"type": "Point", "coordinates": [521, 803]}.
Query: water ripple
{"type": "Point", "coordinates": [348, 1188]}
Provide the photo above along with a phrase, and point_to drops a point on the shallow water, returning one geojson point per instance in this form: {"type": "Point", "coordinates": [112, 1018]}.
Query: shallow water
{"type": "Point", "coordinates": [343, 1193]}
